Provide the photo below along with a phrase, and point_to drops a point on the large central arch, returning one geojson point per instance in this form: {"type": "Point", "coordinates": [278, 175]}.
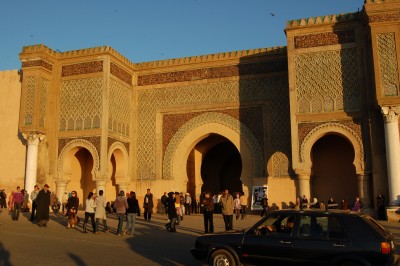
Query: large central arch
{"type": "Point", "coordinates": [199, 128]}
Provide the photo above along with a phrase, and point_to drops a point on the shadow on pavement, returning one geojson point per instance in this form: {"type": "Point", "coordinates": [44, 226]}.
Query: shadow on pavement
{"type": "Point", "coordinates": [4, 256]}
{"type": "Point", "coordinates": [78, 261]}
{"type": "Point", "coordinates": [159, 248]}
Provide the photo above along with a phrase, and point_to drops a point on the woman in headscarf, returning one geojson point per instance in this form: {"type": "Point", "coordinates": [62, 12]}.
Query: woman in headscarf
{"type": "Point", "coordinates": [72, 209]}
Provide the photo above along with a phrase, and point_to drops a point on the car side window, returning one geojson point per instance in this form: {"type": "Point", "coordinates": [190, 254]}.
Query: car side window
{"type": "Point", "coordinates": [311, 226]}
{"type": "Point", "coordinates": [335, 229]}
{"type": "Point", "coordinates": [279, 224]}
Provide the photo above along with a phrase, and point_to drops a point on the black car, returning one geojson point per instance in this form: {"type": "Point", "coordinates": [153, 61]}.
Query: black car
{"type": "Point", "coordinates": [307, 236]}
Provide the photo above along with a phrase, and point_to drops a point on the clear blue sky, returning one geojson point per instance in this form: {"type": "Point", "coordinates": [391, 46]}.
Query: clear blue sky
{"type": "Point", "coordinates": [148, 30]}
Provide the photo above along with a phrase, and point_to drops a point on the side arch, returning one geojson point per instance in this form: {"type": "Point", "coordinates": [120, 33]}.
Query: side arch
{"type": "Point", "coordinates": [335, 128]}
{"type": "Point", "coordinates": [122, 157]}
{"type": "Point", "coordinates": [63, 159]}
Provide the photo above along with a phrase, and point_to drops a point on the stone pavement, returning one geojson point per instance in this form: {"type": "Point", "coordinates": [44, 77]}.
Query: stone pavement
{"type": "Point", "coordinates": [24, 243]}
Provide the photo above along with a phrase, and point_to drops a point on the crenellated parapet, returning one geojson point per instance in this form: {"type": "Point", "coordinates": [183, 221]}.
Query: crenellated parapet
{"type": "Point", "coordinates": [328, 19]}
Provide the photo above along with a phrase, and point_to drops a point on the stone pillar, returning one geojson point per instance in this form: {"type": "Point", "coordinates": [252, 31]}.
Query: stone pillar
{"type": "Point", "coordinates": [60, 188]}
{"type": "Point", "coordinates": [364, 190]}
{"type": "Point", "coordinates": [391, 120]}
{"type": "Point", "coordinates": [123, 186]}
{"type": "Point", "coordinates": [101, 185]}
{"type": "Point", "coordinates": [304, 185]}
{"type": "Point", "coordinates": [31, 160]}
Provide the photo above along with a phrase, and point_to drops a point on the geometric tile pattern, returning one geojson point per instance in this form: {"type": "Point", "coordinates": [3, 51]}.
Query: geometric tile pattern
{"type": "Point", "coordinates": [43, 102]}
{"type": "Point", "coordinates": [388, 63]}
{"type": "Point", "coordinates": [29, 100]}
{"type": "Point", "coordinates": [327, 81]}
{"type": "Point", "coordinates": [81, 104]}
{"type": "Point", "coordinates": [119, 107]}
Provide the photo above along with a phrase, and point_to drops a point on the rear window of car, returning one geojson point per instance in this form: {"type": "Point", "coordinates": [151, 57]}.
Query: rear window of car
{"type": "Point", "coordinates": [377, 226]}
{"type": "Point", "coordinates": [359, 228]}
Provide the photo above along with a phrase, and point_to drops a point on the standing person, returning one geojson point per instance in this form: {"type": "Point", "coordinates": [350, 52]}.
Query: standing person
{"type": "Point", "coordinates": [188, 204]}
{"type": "Point", "coordinates": [182, 200]}
{"type": "Point", "coordinates": [89, 212]}
{"type": "Point", "coordinates": [264, 202]}
{"type": "Point", "coordinates": [72, 209]}
{"type": "Point", "coordinates": [148, 205]}
{"type": "Point", "coordinates": [100, 211]}
{"type": "Point", "coordinates": [34, 194]}
{"type": "Point", "coordinates": [162, 200]}
{"type": "Point", "coordinates": [304, 202]}
{"type": "Point", "coordinates": [171, 211]}
{"type": "Point", "coordinates": [208, 211]}
{"type": "Point", "coordinates": [25, 205]}
{"type": "Point", "coordinates": [120, 205]}
{"type": "Point", "coordinates": [381, 207]}
{"type": "Point", "coordinates": [344, 205]}
{"type": "Point", "coordinates": [226, 201]}
{"type": "Point", "coordinates": [178, 207]}
{"type": "Point", "coordinates": [236, 205]}
{"type": "Point", "coordinates": [3, 197]}
{"type": "Point", "coordinates": [131, 212]}
{"type": "Point", "coordinates": [243, 203]}
{"type": "Point", "coordinates": [11, 204]}
{"type": "Point", "coordinates": [42, 205]}
{"type": "Point", "coordinates": [357, 206]}
{"type": "Point", "coordinates": [18, 200]}
{"type": "Point", "coordinates": [332, 203]}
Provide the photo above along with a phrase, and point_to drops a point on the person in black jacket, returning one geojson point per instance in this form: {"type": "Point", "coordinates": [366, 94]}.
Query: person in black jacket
{"type": "Point", "coordinates": [131, 213]}
{"type": "Point", "coordinates": [42, 206]}
{"type": "Point", "coordinates": [171, 210]}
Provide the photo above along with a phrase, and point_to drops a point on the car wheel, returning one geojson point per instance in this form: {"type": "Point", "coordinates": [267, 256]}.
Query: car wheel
{"type": "Point", "coordinates": [222, 257]}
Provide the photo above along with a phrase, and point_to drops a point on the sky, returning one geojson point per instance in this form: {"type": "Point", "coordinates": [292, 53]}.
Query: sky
{"type": "Point", "coordinates": [149, 30]}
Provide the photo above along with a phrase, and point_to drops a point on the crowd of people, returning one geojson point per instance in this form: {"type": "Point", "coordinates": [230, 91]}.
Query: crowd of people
{"type": "Point", "coordinates": [173, 204]}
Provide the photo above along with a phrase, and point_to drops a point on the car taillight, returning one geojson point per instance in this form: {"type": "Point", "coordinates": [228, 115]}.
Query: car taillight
{"type": "Point", "coordinates": [386, 248]}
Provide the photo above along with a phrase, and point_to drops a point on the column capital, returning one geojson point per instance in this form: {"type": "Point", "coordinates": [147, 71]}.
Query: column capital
{"type": "Point", "coordinates": [33, 137]}
{"type": "Point", "coordinates": [390, 113]}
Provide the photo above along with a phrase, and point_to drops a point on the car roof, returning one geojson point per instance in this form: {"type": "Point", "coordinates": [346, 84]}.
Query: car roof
{"type": "Point", "coordinates": [334, 212]}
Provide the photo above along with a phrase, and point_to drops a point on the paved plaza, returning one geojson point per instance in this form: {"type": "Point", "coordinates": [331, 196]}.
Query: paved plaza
{"type": "Point", "coordinates": [24, 243]}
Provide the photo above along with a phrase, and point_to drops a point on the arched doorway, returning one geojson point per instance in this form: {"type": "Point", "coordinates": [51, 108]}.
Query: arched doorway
{"type": "Point", "coordinates": [118, 170]}
{"type": "Point", "coordinates": [220, 165]}
{"type": "Point", "coordinates": [80, 163]}
{"type": "Point", "coordinates": [333, 172]}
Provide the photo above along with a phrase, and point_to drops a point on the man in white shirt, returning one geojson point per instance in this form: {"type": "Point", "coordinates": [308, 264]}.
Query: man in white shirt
{"type": "Point", "coordinates": [33, 196]}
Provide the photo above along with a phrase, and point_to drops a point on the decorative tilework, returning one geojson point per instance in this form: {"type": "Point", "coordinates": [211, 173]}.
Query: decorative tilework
{"type": "Point", "coordinates": [34, 63]}
{"type": "Point", "coordinates": [324, 38]}
{"type": "Point", "coordinates": [388, 63]}
{"type": "Point", "coordinates": [120, 73]}
{"type": "Point", "coordinates": [82, 68]}
{"type": "Point", "coordinates": [29, 100]}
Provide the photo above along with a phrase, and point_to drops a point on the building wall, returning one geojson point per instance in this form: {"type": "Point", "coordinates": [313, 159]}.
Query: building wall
{"type": "Point", "coordinates": [12, 144]}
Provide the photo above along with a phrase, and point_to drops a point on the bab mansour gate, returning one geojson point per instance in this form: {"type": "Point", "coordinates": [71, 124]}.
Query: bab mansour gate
{"type": "Point", "coordinates": [317, 117]}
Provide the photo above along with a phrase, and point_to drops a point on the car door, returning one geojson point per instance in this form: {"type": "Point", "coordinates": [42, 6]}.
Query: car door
{"type": "Point", "coordinates": [319, 239]}
{"type": "Point", "coordinates": [269, 246]}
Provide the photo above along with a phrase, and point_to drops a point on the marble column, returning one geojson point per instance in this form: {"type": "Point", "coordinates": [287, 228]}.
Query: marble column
{"type": "Point", "coordinates": [31, 160]}
{"type": "Point", "coordinates": [391, 124]}
{"type": "Point", "coordinates": [60, 188]}
{"type": "Point", "coordinates": [364, 190]}
{"type": "Point", "coordinates": [303, 180]}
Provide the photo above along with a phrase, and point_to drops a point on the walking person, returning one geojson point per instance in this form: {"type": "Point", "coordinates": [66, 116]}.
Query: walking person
{"type": "Point", "coordinates": [188, 204]}
{"type": "Point", "coordinates": [148, 205]}
{"type": "Point", "coordinates": [226, 201]}
{"type": "Point", "coordinates": [42, 204]}
{"type": "Point", "coordinates": [178, 207]}
{"type": "Point", "coordinates": [264, 202]}
{"type": "Point", "coordinates": [72, 209]}
{"type": "Point", "coordinates": [381, 207]}
{"type": "Point", "coordinates": [33, 196]}
{"type": "Point", "coordinates": [120, 205]}
{"type": "Point", "coordinates": [100, 212]}
{"type": "Point", "coordinates": [131, 212]}
{"type": "Point", "coordinates": [171, 211]}
{"type": "Point", "coordinates": [89, 212]}
{"type": "Point", "coordinates": [208, 211]}
{"type": "Point", "coordinates": [162, 201]}
{"type": "Point", "coordinates": [236, 205]}
{"type": "Point", "coordinates": [18, 200]}
{"type": "Point", "coordinates": [243, 203]}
